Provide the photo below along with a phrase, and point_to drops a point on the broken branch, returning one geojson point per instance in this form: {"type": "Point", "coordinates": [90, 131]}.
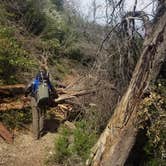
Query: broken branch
{"type": "Point", "coordinates": [5, 134]}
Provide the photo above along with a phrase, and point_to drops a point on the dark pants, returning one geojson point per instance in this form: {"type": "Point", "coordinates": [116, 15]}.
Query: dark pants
{"type": "Point", "coordinates": [38, 117]}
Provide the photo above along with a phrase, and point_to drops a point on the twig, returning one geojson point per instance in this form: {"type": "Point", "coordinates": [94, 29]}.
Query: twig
{"type": "Point", "coordinates": [106, 38]}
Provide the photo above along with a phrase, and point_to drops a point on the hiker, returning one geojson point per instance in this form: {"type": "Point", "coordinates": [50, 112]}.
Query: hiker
{"type": "Point", "coordinates": [42, 75]}
{"type": "Point", "coordinates": [42, 94]}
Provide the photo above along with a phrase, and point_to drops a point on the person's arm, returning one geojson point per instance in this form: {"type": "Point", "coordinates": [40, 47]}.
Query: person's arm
{"type": "Point", "coordinates": [28, 89]}
{"type": "Point", "coordinates": [53, 90]}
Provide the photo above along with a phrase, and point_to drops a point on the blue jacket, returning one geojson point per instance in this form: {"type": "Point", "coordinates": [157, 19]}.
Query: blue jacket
{"type": "Point", "coordinates": [33, 86]}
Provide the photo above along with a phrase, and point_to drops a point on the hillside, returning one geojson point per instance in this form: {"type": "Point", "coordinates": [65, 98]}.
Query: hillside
{"type": "Point", "coordinates": [52, 38]}
{"type": "Point", "coordinates": [23, 48]}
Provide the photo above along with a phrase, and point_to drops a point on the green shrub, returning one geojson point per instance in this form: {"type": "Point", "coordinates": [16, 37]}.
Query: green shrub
{"type": "Point", "coordinates": [154, 107]}
{"type": "Point", "coordinates": [59, 4]}
{"type": "Point", "coordinates": [62, 151]}
{"type": "Point", "coordinates": [13, 57]}
{"type": "Point", "coordinates": [61, 67]}
{"type": "Point", "coordinates": [16, 118]}
{"type": "Point", "coordinates": [34, 19]}
{"type": "Point", "coordinates": [49, 47]}
{"type": "Point", "coordinates": [74, 53]}
{"type": "Point", "coordinates": [27, 12]}
{"type": "Point", "coordinates": [74, 145]}
{"type": "Point", "coordinates": [14, 11]}
{"type": "Point", "coordinates": [55, 28]}
{"type": "Point", "coordinates": [83, 140]}
{"type": "Point", "coordinates": [3, 15]}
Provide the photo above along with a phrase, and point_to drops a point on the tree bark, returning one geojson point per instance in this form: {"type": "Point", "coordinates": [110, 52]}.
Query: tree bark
{"type": "Point", "coordinates": [71, 95]}
{"type": "Point", "coordinates": [12, 90]}
{"type": "Point", "coordinates": [14, 105]}
{"type": "Point", "coordinates": [115, 143]}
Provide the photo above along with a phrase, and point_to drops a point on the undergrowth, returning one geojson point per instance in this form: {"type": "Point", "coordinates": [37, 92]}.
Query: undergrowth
{"type": "Point", "coordinates": [16, 119]}
{"type": "Point", "coordinates": [13, 58]}
{"type": "Point", "coordinates": [73, 146]}
{"type": "Point", "coordinates": [154, 112]}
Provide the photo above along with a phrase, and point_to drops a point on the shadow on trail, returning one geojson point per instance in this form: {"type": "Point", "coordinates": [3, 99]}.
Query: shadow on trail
{"type": "Point", "coordinates": [51, 125]}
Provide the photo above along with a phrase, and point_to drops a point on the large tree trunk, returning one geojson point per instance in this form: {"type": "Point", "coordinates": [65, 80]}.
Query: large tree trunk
{"type": "Point", "coordinates": [11, 90]}
{"type": "Point", "coordinates": [115, 143]}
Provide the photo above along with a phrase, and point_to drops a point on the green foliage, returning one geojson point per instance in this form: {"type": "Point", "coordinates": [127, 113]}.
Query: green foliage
{"type": "Point", "coordinates": [74, 145]}
{"type": "Point", "coordinates": [83, 140]}
{"type": "Point", "coordinates": [50, 47]}
{"type": "Point", "coordinates": [61, 69]}
{"type": "Point", "coordinates": [13, 11]}
{"type": "Point", "coordinates": [26, 12]}
{"type": "Point", "coordinates": [154, 108]}
{"type": "Point", "coordinates": [62, 146]}
{"type": "Point", "coordinates": [55, 29]}
{"type": "Point", "coordinates": [12, 56]}
{"type": "Point", "coordinates": [6, 32]}
{"type": "Point", "coordinates": [61, 30]}
{"type": "Point", "coordinates": [3, 15]}
{"type": "Point", "coordinates": [34, 19]}
{"type": "Point", "coordinates": [74, 53]}
{"type": "Point", "coordinates": [59, 4]}
{"type": "Point", "coordinates": [16, 118]}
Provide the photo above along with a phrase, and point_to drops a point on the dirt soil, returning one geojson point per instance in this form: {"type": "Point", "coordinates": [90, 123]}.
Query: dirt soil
{"type": "Point", "coordinates": [25, 151]}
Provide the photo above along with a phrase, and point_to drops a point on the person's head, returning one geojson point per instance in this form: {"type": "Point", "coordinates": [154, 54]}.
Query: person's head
{"type": "Point", "coordinates": [43, 68]}
{"type": "Point", "coordinates": [43, 74]}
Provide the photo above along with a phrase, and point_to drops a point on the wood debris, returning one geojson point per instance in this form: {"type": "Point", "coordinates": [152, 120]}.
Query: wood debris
{"type": "Point", "coordinates": [12, 90]}
{"type": "Point", "coordinates": [12, 98]}
{"type": "Point", "coordinates": [21, 103]}
{"type": "Point", "coordinates": [5, 134]}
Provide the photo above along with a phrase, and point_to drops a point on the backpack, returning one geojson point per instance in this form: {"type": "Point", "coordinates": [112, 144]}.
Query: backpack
{"type": "Point", "coordinates": [41, 89]}
{"type": "Point", "coordinates": [42, 95]}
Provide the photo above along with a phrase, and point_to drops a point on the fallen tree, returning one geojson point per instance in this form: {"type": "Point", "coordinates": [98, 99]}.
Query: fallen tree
{"type": "Point", "coordinates": [115, 143]}
{"type": "Point", "coordinates": [14, 105]}
{"type": "Point", "coordinates": [73, 94]}
{"type": "Point", "coordinates": [61, 110]}
{"type": "Point", "coordinates": [12, 90]}
{"type": "Point", "coordinates": [23, 103]}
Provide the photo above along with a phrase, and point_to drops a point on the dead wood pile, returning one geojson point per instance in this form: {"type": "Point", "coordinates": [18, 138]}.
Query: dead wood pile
{"type": "Point", "coordinates": [12, 98]}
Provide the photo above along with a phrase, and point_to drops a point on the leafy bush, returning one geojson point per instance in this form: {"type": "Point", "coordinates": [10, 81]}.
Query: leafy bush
{"type": "Point", "coordinates": [55, 28]}
{"type": "Point", "coordinates": [83, 140]}
{"type": "Point", "coordinates": [14, 10]}
{"type": "Point", "coordinates": [59, 4]}
{"type": "Point", "coordinates": [34, 19]}
{"type": "Point", "coordinates": [3, 15]}
{"type": "Point", "coordinates": [50, 47]}
{"type": "Point", "coordinates": [74, 53]}
{"type": "Point", "coordinates": [16, 118]}
{"type": "Point", "coordinates": [13, 57]}
{"type": "Point", "coordinates": [26, 12]}
{"type": "Point", "coordinates": [154, 107]}
{"type": "Point", "coordinates": [74, 146]}
{"type": "Point", "coordinates": [62, 146]}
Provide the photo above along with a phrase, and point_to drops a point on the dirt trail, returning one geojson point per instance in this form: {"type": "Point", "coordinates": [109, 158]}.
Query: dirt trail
{"type": "Point", "coordinates": [26, 151]}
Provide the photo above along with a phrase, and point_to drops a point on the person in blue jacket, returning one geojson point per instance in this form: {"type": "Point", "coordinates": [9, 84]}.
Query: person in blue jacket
{"type": "Point", "coordinates": [32, 88]}
{"type": "Point", "coordinates": [38, 112]}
